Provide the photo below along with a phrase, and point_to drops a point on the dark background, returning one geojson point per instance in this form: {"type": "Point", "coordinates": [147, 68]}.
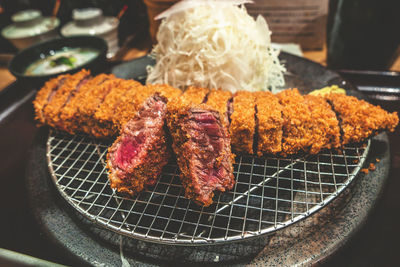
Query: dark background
{"type": "Point", "coordinates": [132, 22]}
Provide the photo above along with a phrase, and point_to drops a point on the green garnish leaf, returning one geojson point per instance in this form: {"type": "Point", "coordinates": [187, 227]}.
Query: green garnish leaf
{"type": "Point", "coordinates": [69, 61]}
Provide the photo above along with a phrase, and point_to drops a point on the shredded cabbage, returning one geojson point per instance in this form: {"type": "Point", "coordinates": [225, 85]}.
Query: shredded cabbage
{"type": "Point", "coordinates": [216, 46]}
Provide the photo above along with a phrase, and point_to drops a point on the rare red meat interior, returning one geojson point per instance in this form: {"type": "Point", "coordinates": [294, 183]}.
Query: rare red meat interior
{"type": "Point", "coordinates": [202, 146]}
{"type": "Point", "coordinates": [136, 158]}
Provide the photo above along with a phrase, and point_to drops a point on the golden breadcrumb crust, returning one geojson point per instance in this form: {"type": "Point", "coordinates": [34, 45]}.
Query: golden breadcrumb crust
{"type": "Point", "coordinates": [44, 96]}
{"type": "Point", "coordinates": [70, 114]}
{"type": "Point", "coordinates": [103, 117]}
{"type": "Point", "coordinates": [165, 90]}
{"type": "Point", "coordinates": [243, 123]}
{"type": "Point", "coordinates": [325, 130]}
{"type": "Point", "coordinates": [190, 97]}
{"type": "Point", "coordinates": [269, 123]}
{"type": "Point", "coordinates": [360, 119]}
{"type": "Point", "coordinates": [218, 100]}
{"type": "Point", "coordinates": [177, 121]}
{"type": "Point", "coordinates": [62, 96]}
{"type": "Point", "coordinates": [130, 102]}
{"type": "Point", "coordinates": [297, 123]}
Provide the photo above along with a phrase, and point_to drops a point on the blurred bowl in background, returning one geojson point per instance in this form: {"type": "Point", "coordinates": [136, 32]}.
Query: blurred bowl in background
{"type": "Point", "coordinates": [48, 59]}
{"type": "Point", "coordinates": [30, 27]}
{"type": "Point", "coordinates": [155, 7]}
{"type": "Point", "coordinates": [90, 21]}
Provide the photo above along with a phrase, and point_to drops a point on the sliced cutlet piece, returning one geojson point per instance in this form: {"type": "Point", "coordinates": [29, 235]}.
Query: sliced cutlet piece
{"type": "Point", "coordinates": [269, 123]}
{"type": "Point", "coordinates": [70, 120]}
{"type": "Point", "coordinates": [202, 146]}
{"type": "Point", "coordinates": [130, 102]}
{"type": "Point", "coordinates": [135, 98]}
{"type": "Point", "coordinates": [325, 130]}
{"type": "Point", "coordinates": [102, 123]}
{"type": "Point", "coordinates": [190, 97]}
{"type": "Point", "coordinates": [45, 95]}
{"type": "Point", "coordinates": [136, 158]}
{"type": "Point", "coordinates": [359, 119]}
{"type": "Point", "coordinates": [243, 123]}
{"type": "Point", "coordinates": [165, 90]}
{"type": "Point", "coordinates": [297, 123]}
{"type": "Point", "coordinates": [218, 100]}
{"type": "Point", "coordinates": [97, 95]}
{"type": "Point", "coordinates": [62, 97]}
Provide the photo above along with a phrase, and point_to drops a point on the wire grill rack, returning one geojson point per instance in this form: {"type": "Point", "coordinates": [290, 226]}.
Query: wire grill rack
{"type": "Point", "coordinates": [270, 193]}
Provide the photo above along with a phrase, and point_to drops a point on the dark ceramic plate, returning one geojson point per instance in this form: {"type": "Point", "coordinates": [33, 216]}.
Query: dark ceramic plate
{"type": "Point", "coordinates": [27, 56]}
{"type": "Point", "coordinates": [93, 245]}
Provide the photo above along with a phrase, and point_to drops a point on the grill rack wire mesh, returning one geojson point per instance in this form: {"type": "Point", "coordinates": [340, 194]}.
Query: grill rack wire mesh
{"type": "Point", "coordinates": [270, 193]}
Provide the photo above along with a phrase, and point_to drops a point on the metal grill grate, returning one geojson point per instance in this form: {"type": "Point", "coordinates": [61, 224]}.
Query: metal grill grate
{"type": "Point", "coordinates": [270, 193]}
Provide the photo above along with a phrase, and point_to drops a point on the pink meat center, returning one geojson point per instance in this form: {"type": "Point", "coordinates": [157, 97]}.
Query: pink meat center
{"type": "Point", "coordinates": [210, 173]}
{"type": "Point", "coordinates": [128, 150]}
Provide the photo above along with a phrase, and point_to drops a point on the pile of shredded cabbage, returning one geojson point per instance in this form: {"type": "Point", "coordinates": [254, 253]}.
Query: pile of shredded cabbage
{"type": "Point", "coordinates": [215, 44]}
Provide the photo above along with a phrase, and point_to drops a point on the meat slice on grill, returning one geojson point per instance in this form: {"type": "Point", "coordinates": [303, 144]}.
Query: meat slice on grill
{"type": "Point", "coordinates": [45, 95]}
{"type": "Point", "coordinates": [130, 103]}
{"type": "Point", "coordinates": [202, 146]}
{"type": "Point", "coordinates": [297, 123]}
{"type": "Point", "coordinates": [62, 97]}
{"type": "Point", "coordinates": [359, 119]}
{"type": "Point", "coordinates": [136, 158]}
{"type": "Point", "coordinates": [325, 130]}
{"type": "Point", "coordinates": [70, 116]}
{"type": "Point", "coordinates": [102, 126]}
{"type": "Point", "coordinates": [269, 123]}
{"type": "Point", "coordinates": [218, 100]}
{"type": "Point", "coordinates": [242, 127]}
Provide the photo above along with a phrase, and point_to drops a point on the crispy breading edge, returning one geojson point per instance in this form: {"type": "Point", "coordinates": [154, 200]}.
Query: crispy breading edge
{"type": "Point", "coordinates": [242, 126]}
{"type": "Point", "coordinates": [270, 122]}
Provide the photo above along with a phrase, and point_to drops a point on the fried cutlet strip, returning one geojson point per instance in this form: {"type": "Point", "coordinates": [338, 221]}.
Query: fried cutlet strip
{"type": "Point", "coordinates": [70, 115]}
{"type": "Point", "coordinates": [45, 95]}
{"type": "Point", "coordinates": [130, 102]}
{"type": "Point", "coordinates": [297, 123]}
{"type": "Point", "coordinates": [63, 95]}
{"type": "Point", "coordinates": [192, 96]}
{"type": "Point", "coordinates": [269, 123]}
{"type": "Point", "coordinates": [326, 131]}
{"type": "Point", "coordinates": [202, 147]}
{"type": "Point", "coordinates": [165, 90]}
{"type": "Point", "coordinates": [136, 158]}
{"type": "Point", "coordinates": [134, 99]}
{"type": "Point", "coordinates": [243, 123]}
{"type": "Point", "coordinates": [359, 119]}
{"type": "Point", "coordinates": [96, 96]}
{"type": "Point", "coordinates": [102, 123]}
{"type": "Point", "coordinates": [218, 100]}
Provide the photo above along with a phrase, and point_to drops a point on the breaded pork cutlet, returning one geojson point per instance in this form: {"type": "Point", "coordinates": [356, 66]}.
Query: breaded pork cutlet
{"type": "Point", "coordinates": [45, 95]}
{"type": "Point", "coordinates": [218, 100]}
{"type": "Point", "coordinates": [243, 123]}
{"type": "Point", "coordinates": [136, 158]}
{"type": "Point", "coordinates": [102, 123]}
{"type": "Point", "coordinates": [297, 123]}
{"type": "Point", "coordinates": [70, 115]}
{"type": "Point", "coordinates": [62, 97]}
{"type": "Point", "coordinates": [325, 130]}
{"type": "Point", "coordinates": [359, 119]}
{"type": "Point", "coordinates": [202, 147]}
{"type": "Point", "coordinates": [269, 123]}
